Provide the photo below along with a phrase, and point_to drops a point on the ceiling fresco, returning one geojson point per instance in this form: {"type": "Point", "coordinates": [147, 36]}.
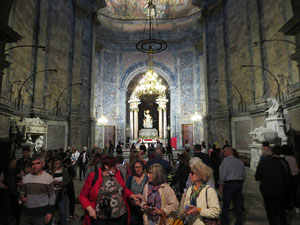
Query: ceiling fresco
{"type": "Point", "coordinates": [137, 9]}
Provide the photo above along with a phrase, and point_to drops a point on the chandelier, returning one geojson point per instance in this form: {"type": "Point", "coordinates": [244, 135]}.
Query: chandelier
{"type": "Point", "coordinates": [196, 118]}
{"type": "Point", "coordinates": [150, 85]}
{"type": "Point", "coordinates": [153, 44]}
{"type": "Point", "coordinates": [102, 120]}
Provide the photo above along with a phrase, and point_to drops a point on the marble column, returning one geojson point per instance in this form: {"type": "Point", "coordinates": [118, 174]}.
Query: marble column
{"type": "Point", "coordinates": [160, 122]}
{"type": "Point", "coordinates": [165, 123]}
{"type": "Point", "coordinates": [131, 124]}
{"type": "Point", "coordinates": [136, 124]}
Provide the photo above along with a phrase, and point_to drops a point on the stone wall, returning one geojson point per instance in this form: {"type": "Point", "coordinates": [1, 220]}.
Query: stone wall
{"type": "Point", "coordinates": [66, 30]}
{"type": "Point", "coordinates": [235, 32]}
{"type": "Point", "coordinates": [180, 66]}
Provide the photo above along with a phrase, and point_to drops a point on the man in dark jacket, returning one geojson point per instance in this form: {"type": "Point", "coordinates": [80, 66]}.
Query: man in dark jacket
{"type": "Point", "coordinates": [83, 161]}
{"type": "Point", "coordinates": [159, 159]}
{"type": "Point", "coordinates": [205, 159]}
{"type": "Point", "coordinates": [273, 176]}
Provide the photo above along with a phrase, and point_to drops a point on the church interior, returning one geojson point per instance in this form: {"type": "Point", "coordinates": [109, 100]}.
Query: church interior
{"type": "Point", "coordinates": [71, 71]}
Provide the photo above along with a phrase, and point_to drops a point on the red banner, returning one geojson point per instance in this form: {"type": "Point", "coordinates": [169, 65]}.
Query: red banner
{"type": "Point", "coordinates": [174, 142]}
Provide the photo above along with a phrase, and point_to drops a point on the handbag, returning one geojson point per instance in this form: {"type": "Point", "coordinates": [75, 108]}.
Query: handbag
{"type": "Point", "coordinates": [174, 221]}
{"type": "Point", "coordinates": [210, 221]}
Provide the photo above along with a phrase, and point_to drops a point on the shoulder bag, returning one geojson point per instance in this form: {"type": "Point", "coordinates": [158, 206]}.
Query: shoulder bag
{"type": "Point", "coordinates": [210, 221]}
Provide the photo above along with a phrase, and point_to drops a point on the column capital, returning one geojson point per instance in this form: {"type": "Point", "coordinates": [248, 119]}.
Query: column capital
{"type": "Point", "coordinates": [162, 102]}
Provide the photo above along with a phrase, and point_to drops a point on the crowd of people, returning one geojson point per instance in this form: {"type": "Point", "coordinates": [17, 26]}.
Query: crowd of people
{"type": "Point", "coordinates": [145, 190]}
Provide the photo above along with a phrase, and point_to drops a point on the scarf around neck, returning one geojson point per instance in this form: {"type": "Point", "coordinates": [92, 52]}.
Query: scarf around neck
{"type": "Point", "coordinates": [195, 193]}
{"type": "Point", "coordinates": [153, 199]}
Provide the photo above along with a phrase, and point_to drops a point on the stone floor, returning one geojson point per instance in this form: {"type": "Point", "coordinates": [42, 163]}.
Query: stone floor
{"type": "Point", "coordinates": [254, 210]}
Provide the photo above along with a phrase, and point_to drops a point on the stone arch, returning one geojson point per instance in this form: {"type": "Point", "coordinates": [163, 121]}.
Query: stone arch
{"type": "Point", "coordinates": [141, 67]}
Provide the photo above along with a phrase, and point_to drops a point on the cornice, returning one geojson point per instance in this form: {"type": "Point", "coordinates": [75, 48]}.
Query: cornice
{"type": "Point", "coordinates": [292, 26]}
{"type": "Point", "coordinates": [8, 35]}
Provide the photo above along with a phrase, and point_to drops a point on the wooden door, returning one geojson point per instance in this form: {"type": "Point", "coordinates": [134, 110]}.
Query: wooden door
{"type": "Point", "coordinates": [109, 135]}
{"type": "Point", "coordinates": [187, 134]}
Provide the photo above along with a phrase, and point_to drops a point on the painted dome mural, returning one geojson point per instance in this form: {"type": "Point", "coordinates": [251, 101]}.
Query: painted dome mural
{"type": "Point", "coordinates": [137, 9]}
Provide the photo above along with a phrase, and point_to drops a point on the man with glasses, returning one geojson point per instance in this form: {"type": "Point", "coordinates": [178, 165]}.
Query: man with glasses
{"type": "Point", "coordinates": [37, 194]}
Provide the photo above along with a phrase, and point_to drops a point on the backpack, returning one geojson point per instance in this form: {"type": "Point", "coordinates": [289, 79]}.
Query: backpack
{"type": "Point", "coordinates": [96, 176]}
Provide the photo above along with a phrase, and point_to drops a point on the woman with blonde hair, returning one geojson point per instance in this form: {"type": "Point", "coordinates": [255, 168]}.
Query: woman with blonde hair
{"type": "Point", "coordinates": [201, 201]}
{"type": "Point", "coordinates": [159, 200]}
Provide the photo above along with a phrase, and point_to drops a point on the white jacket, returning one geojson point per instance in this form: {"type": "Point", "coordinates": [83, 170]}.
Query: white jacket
{"type": "Point", "coordinates": [213, 203]}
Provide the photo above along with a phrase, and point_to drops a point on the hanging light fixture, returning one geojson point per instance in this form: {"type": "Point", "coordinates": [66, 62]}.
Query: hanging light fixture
{"type": "Point", "coordinates": [151, 45]}
{"type": "Point", "coordinates": [102, 120]}
{"type": "Point", "coordinates": [196, 118]}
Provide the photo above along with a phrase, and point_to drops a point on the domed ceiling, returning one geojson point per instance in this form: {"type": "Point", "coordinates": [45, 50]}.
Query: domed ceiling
{"type": "Point", "coordinates": [137, 9]}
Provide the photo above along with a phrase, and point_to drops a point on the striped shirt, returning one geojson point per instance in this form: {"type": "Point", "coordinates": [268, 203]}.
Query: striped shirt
{"type": "Point", "coordinates": [39, 191]}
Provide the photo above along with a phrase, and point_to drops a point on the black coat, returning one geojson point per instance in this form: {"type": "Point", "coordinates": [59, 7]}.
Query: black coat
{"type": "Point", "coordinates": [181, 175]}
{"type": "Point", "coordinates": [273, 176]}
{"type": "Point", "coordinates": [205, 159]}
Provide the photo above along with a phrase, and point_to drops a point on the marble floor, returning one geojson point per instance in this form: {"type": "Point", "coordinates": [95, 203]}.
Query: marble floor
{"type": "Point", "coordinates": [254, 210]}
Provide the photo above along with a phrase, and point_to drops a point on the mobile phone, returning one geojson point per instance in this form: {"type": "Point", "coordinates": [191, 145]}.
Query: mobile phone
{"type": "Point", "coordinates": [188, 208]}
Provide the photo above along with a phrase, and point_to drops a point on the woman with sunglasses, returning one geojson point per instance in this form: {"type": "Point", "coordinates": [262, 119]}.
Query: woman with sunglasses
{"type": "Point", "coordinates": [159, 200]}
{"type": "Point", "coordinates": [201, 200]}
{"type": "Point", "coordinates": [105, 199]}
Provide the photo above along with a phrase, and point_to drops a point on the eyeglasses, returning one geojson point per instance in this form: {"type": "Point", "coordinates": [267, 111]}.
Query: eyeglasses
{"type": "Point", "coordinates": [138, 167]}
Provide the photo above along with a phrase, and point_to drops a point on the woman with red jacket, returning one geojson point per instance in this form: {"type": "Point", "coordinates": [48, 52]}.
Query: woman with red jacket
{"type": "Point", "coordinates": [105, 201]}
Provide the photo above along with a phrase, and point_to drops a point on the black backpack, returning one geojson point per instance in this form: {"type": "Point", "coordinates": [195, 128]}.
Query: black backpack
{"type": "Point", "coordinates": [95, 176]}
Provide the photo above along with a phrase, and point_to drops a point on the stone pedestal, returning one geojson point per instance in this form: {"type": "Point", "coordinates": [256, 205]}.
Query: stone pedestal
{"type": "Point", "coordinates": [256, 151]}
{"type": "Point", "coordinates": [277, 124]}
{"type": "Point", "coordinates": [150, 133]}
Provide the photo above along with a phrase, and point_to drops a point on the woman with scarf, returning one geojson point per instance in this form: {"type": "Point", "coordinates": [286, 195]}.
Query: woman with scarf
{"type": "Point", "coordinates": [105, 199]}
{"type": "Point", "coordinates": [201, 200]}
{"type": "Point", "coordinates": [159, 200]}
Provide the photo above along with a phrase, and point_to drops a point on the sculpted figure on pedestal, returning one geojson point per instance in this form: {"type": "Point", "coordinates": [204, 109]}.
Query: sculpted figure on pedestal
{"type": "Point", "coordinates": [148, 121]}
{"type": "Point", "coordinates": [39, 143]}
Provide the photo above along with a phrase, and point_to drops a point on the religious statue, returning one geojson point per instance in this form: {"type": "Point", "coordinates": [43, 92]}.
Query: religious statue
{"type": "Point", "coordinates": [29, 140]}
{"type": "Point", "coordinates": [39, 143]}
{"type": "Point", "coordinates": [275, 110]}
{"type": "Point", "coordinates": [148, 121]}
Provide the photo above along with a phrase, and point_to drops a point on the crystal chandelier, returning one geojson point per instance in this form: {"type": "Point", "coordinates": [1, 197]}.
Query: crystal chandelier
{"type": "Point", "coordinates": [150, 84]}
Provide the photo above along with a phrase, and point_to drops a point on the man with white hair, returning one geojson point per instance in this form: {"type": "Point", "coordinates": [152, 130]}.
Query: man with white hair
{"type": "Point", "coordinates": [231, 179]}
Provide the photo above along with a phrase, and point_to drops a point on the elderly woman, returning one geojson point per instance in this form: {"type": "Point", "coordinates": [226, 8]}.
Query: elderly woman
{"type": "Point", "coordinates": [136, 183]}
{"type": "Point", "coordinates": [210, 182]}
{"type": "Point", "coordinates": [105, 198]}
{"type": "Point", "coordinates": [201, 200]}
{"type": "Point", "coordinates": [159, 200]}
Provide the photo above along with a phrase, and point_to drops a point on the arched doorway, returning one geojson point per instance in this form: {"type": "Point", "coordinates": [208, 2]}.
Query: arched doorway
{"type": "Point", "coordinates": [158, 107]}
